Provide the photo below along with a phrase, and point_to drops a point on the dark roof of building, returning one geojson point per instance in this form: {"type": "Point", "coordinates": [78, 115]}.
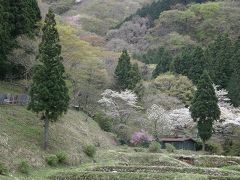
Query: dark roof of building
{"type": "Point", "coordinates": [176, 139]}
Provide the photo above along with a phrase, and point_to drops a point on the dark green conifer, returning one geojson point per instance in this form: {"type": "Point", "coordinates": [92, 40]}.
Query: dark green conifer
{"type": "Point", "coordinates": [234, 83]}
{"type": "Point", "coordinates": [163, 64]}
{"type": "Point", "coordinates": [134, 76]}
{"type": "Point", "coordinates": [122, 71]}
{"type": "Point", "coordinates": [204, 107]}
{"type": "Point", "coordinates": [49, 94]}
{"type": "Point", "coordinates": [198, 64]}
{"type": "Point", "coordinates": [220, 55]}
{"type": "Point", "coordinates": [25, 15]}
{"type": "Point", "coordinates": [183, 62]}
{"type": "Point", "coordinates": [5, 37]}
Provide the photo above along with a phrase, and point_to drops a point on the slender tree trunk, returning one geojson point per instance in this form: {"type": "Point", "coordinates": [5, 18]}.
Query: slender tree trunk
{"type": "Point", "coordinates": [203, 145]}
{"type": "Point", "coordinates": [46, 126]}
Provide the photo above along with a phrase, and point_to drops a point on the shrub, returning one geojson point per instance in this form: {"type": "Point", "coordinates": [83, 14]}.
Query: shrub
{"type": "Point", "coordinates": [90, 150]}
{"type": "Point", "coordinates": [170, 148]}
{"type": "Point", "coordinates": [141, 138]}
{"type": "Point", "coordinates": [139, 149]}
{"type": "Point", "coordinates": [3, 169]}
{"type": "Point", "coordinates": [154, 147]}
{"type": "Point", "coordinates": [214, 148]}
{"type": "Point", "coordinates": [104, 122]}
{"type": "Point", "coordinates": [23, 167]}
{"type": "Point", "coordinates": [52, 160]}
{"type": "Point", "coordinates": [62, 156]}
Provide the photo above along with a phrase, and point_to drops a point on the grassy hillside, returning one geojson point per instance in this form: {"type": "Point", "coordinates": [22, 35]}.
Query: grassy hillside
{"type": "Point", "coordinates": [21, 134]}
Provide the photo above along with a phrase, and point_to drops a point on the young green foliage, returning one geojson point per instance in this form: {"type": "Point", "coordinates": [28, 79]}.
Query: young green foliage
{"type": "Point", "coordinates": [204, 107]}
{"type": "Point", "coordinates": [49, 94]}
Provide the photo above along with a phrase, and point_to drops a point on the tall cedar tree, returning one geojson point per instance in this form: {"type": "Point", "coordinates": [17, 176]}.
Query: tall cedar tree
{"type": "Point", "coordinates": [25, 15]}
{"type": "Point", "coordinates": [198, 64]}
{"type": "Point", "coordinates": [5, 37]}
{"type": "Point", "coordinates": [163, 64]}
{"type": "Point", "coordinates": [204, 107]}
{"type": "Point", "coordinates": [135, 76]}
{"type": "Point", "coordinates": [122, 71]}
{"type": "Point", "coordinates": [182, 62]}
{"type": "Point", "coordinates": [49, 94]}
{"type": "Point", "coordinates": [234, 83]}
{"type": "Point", "coordinates": [219, 54]}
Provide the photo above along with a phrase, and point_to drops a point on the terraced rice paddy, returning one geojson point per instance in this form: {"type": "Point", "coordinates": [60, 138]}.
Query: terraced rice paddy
{"type": "Point", "coordinates": [120, 165]}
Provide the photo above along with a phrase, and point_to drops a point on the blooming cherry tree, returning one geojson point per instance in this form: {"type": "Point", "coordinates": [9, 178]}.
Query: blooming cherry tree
{"type": "Point", "coordinates": [229, 113]}
{"type": "Point", "coordinates": [159, 119]}
{"type": "Point", "coordinates": [119, 105]}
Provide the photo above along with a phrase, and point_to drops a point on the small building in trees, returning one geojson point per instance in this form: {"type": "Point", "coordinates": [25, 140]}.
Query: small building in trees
{"type": "Point", "coordinates": [180, 143]}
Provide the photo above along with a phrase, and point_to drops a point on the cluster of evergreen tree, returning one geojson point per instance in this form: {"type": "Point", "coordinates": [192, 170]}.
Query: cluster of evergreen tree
{"type": "Point", "coordinates": [221, 59]}
{"type": "Point", "coordinates": [127, 75]}
{"type": "Point", "coordinates": [154, 9]}
{"type": "Point", "coordinates": [16, 18]}
{"type": "Point", "coordinates": [152, 56]}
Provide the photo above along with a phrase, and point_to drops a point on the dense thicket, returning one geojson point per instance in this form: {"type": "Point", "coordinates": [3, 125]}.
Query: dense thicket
{"type": "Point", "coordinates": [234, 82]}
{"type": "Point", "coordinates": [204, 107]}
{"type": "Point", "coordinates": [152, 56]}
{"type": "Point", "coordinates": [5, 37]}
{"type": "Point", "coordinates": [24, 15]}
{"type": "Point", "coordinates": [220, 58]}
{"type": "Point", "coordinates": [49, 94]}
{"type": "Point", "coordinates": [16, 18]}
{"type": "Point", "coordinates": [164, 61]}
{"type": "Point", "coordinates": [154, 9]}
{"type": "Point", "coordinates": [219, 54]}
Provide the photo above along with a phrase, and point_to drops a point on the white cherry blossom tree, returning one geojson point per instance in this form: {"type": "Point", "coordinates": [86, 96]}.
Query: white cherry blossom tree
{"type": "Point", "coordinates": [119, 105]}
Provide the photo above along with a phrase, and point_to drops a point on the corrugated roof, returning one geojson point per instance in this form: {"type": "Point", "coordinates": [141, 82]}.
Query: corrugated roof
{"type": "Point", "coordinates": [176, 139]}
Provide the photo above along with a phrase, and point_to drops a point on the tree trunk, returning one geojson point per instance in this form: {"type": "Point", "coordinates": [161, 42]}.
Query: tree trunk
{"type": "Point", "coordinates": [46, 125]}
{"type": "Point", "coordinates": [203, 145]}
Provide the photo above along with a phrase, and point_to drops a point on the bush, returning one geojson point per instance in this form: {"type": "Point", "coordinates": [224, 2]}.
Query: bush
{"type": "Point", "coordinates": [154, 147]}
{"type": "Point", "coordinates": [170, 148]}
{"type": "Point", "coordinates": [214, 148]}
{"type": "Point", "coordinates": [104, 122]}
{"type": "Point", "coordinates": [62, 156]}
{"type": "Point", "coordinates": [3, 169]}
{"type": "Point", "coordinates": [139, 149]}
{"type": "Point", "coordinates": [23, 167]}
{"type": "Point", "coordinates": [52, 160]}
{"type": "Point", "coordinates": [90, 150]}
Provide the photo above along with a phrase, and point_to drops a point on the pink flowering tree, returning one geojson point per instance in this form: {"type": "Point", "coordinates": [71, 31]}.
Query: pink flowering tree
{"type": "Point", "coordinates": [141, 138]}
